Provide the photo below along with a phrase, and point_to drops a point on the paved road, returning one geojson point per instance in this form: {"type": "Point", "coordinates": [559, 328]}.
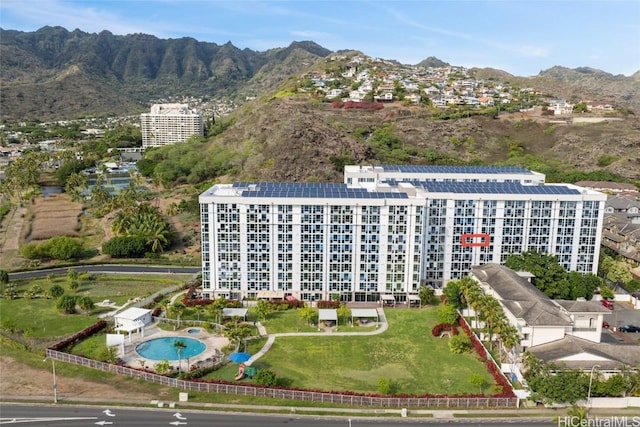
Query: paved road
{"type": "Point", "coordinates": [108, 268]}
{"type": "Point", "coordinates": [82, 416]}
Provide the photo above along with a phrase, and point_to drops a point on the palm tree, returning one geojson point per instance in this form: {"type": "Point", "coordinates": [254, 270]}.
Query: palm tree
{"type": "Point", "coordinates": [179, 345]}
{"type": "Point", "coordinates": [215, 311]}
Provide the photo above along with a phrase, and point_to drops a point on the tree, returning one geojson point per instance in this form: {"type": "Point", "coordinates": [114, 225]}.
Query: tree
{"type": "Point", "coordinates": [179, 346]}
{"type": "Point", "coordinates": [215, 310]}
{"type": "Point", "coordinates": [86, 304]}
{"type": "Point", "coordinates": [4, 277]}
{"type": "Point", "coordinates": [448, 314]}
{"type": "Point", "coordinates": [550, 277]}
{"type": "Point", "coordinates": [307, 313]}
{"type": "Point", "coordinates": [606, 292]}
{"type": "Point", "coordinates": [459, 344]}
{"type": "Point", "coordinates": [66, 304]}
{"type": "Point", "coordinates": [75, 185]}
{"type": "Point", "coordinates": [344, 313]}
{"type": "Point", "coordinates": [263, 309]}
{"type": "Point", "coordinates": [108, 354]}
{"type": "Point", "coordinates": [55, 291]}
{"type": "Point", "coordinates": [478, 380]}
{"type": "Point", "coordinates": [452, 294]}
{"type": "Point", "coordinates": [74, 285]}
{"type": "Point", "coordinates": [426, 295]}
{"type": "Point", "coordinates": [72, 274]}
{"type": "Point", "coordinates": [238, 332]}
{"type": "Point", "coordinates": [162, 367]}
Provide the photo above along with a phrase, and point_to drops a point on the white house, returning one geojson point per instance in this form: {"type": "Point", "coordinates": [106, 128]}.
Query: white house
{"type": "Point", "coordinates": [132, 319]}
{"type": "Point", "coordinates": [538, 318]}
{"type": "Point", "coordinates": [567, 333]}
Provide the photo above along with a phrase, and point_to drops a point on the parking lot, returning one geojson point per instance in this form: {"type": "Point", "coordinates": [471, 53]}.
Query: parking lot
{"type": "Point", "coordinates": [622, 314]}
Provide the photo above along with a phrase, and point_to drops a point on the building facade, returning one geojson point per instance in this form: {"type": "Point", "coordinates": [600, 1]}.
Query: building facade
{"type": "Point", "coordinates": [169, 124]}
{"type": "Point", "coordinates": [388, 234]}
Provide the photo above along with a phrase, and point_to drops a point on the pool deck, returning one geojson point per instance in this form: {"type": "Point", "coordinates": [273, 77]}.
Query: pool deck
{"type": "Point", "coordinates": [212, 352]}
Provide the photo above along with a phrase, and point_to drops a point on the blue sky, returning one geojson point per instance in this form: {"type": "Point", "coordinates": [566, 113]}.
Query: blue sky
{"type": "Point", "coordinates": [522, 37]}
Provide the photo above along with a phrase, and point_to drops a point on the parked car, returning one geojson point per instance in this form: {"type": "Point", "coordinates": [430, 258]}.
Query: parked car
{"type": "Point", "coordinates": [606, 325]}
{"type": "Point", "coordinates": [629, 328]}
{"type": "Point", "coordinates": [606, 303]}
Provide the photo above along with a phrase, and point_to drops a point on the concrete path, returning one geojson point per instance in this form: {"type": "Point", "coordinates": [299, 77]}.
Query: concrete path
{"type": "Point", "coordinates": [271, 338]}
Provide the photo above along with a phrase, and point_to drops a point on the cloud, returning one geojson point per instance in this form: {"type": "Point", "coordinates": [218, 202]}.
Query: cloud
{"type": "Point", "coordinates": [524, 50]}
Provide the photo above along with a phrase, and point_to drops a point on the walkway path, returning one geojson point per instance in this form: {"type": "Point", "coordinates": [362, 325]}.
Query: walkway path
{"type": "Point", "coordinates": [271, 338]}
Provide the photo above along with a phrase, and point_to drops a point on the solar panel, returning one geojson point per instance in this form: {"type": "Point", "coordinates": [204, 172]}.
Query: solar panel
{"type": "Point", "coordinates": [453, 169]}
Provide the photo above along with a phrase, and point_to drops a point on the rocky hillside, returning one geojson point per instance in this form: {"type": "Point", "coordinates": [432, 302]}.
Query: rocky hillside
{"type": "Point", "coordinates": [294, 139]}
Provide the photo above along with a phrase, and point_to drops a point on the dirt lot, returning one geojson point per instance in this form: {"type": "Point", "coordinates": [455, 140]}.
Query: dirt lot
{"type": "Point", "coordinates": [17, 379]}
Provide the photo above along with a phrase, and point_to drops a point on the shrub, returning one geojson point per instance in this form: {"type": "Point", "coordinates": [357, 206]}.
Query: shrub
{"type": "Point", "coordinates": [265, 377]}
{"type": "Point", "coordinates": [55, 291]}
{"type": "Point", "coordinates": [437, 330]}
{"type": "Point", "coordinates": [459, 344]}
{"type": "Point", "coordinates": [125, 247]}
{"type": "Point", "coordinates": [384, 386]}
{"type": "Point", "coordinates": [67, 304]}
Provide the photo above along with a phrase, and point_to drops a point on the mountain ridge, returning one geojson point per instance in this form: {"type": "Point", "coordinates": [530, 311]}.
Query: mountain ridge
{"type": "Point", "coordinates": [140, 67]}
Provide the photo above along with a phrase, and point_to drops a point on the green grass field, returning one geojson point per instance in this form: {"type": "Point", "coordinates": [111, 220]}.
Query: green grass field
{"type": "Point", "coordinates": [414, 361]}
{"type": "Point", "coordinates": [38, 317]}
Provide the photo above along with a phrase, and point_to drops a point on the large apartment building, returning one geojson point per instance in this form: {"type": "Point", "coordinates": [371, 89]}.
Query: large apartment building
{"type": "Point", "coordinates": [169, 124]}
{"type": "Point", "coordinates": [388, 230]}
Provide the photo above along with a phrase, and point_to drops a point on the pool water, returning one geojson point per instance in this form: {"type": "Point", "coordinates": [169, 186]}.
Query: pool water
{"type": "Point", "coordinates": [193, 331]}
{"type": "Point", "coordinates": [163, 348]}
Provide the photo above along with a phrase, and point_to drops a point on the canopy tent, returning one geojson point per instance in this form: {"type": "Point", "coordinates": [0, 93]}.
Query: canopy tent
{"type": "Point", "coordinates": [387, 299]}
{"type": "Point", "coordinates": [328, 314]}
{"type": "Point", "coordinates": [414, 300]}
{"type": "Point", "coordinates": [364, 313]}
{"type": "Point", "coordinates": [269, 295]}
{"type": "Point", "coordinates": [235, 312]}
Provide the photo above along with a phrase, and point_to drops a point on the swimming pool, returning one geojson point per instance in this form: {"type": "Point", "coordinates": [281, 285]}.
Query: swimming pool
{"type": "Point", "coordinates": [193, 331]}
{"type": "Point", "coordinates": [164, 349]}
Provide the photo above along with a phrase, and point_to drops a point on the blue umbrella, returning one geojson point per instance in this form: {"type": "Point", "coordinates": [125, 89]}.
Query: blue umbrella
{"type": "Point", "coordinates": [239, 357]}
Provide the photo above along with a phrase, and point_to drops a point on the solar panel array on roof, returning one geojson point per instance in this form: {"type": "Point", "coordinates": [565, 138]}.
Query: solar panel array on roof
{"type": "Point", "coordinates": [311, 190]}
{"type": "Point", "coordinates": [452, 169]}
{"type": "Point", "coordinates": [492, 188]}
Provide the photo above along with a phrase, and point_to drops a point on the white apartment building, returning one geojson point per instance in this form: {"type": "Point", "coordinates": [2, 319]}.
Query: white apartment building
{"type": "Point", "coordinates": [169, 124]}
{"type": "Point", "coordinates": [389, 234]}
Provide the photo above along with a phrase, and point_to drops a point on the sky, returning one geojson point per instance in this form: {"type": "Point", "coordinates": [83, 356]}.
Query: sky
{"type": "Point", "coordinates": [522, 37]}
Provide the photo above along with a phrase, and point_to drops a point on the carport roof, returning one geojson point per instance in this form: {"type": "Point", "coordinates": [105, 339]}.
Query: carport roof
{"type": "Point", "coordinates": [328, 314]}
{"type": "Point", "coordinates": [364, 312]}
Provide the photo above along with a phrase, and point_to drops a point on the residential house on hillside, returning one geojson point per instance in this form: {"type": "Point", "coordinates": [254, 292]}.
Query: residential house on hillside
{"type": "Point", "coordinates": [560, 107]}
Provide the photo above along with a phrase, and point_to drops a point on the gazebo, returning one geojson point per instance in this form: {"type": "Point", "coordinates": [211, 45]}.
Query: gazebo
{"type": "Point", "coordinates": [328, 314]}
{"type": "Point", "coordinates": [365, 313]}
{"type": "Point", "coordinates": [387, 299]}
{"type": "Point", "coordinates": [414, 300]}
{"type": "Point", "coordinates": [235, 312]}
{"type": "Point", "coordinates": [132, 320]}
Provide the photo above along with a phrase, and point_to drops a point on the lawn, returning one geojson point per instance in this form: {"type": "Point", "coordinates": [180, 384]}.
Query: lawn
{"type": "Point", "coordinates": [18, 314]}
{"type": "Point", "coordinates": [290, 321]}
{"type": "Point", "coordinates": [406, 354]}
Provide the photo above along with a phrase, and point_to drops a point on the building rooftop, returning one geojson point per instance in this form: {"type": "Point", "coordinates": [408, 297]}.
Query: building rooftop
{"type": "Point", "coordinates": [309, 190]}
{"type": "Point", "coordinates": [520, 297]}
{"type": "Point", "coordinates": [487, 187]}
{"type": "Point", "coordinates": [452, 169]}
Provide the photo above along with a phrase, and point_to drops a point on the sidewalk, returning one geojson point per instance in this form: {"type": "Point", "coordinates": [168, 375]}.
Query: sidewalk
{"type": "Point", "coordinates": [428, 414]}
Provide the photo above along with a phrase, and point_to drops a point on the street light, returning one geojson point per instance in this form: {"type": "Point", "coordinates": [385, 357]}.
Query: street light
{"type": "Point", "coordinates": [590, 382]}
{"type": "Point", "coordinates": [55, 384]}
